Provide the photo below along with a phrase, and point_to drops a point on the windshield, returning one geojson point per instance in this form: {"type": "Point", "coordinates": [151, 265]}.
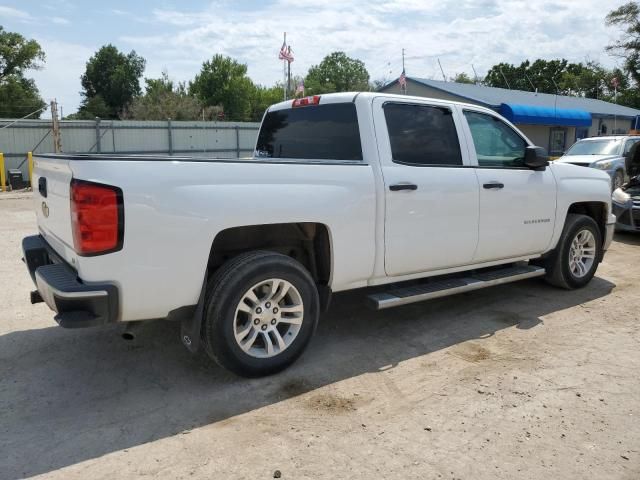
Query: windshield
{"type": "Point", "coordinates": [596, 147]}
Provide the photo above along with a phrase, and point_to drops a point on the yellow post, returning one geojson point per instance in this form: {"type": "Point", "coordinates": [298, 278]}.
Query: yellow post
{"type": "Point", "coordinates": [3, 179]}
{"type": "Point", "coordinates": [30, 166]}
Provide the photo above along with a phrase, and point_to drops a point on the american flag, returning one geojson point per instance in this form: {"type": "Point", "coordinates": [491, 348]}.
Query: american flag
{"type": "Point", "coordinates": [285, 53]}
{"type": "Point", "coordinates": [403, 80]}
{"type": "Point", "coordinates": [300, 88]}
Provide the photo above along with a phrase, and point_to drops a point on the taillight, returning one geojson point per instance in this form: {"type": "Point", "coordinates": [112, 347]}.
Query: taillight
{"type": "Point", "coordinates": [97, 218]}
{"type": "Point", "coordinates": [303, 102]}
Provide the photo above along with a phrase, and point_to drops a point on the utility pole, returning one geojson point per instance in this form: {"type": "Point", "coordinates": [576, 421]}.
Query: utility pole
{"type": "Point", "coordinates": [55, 127]}
{"type": "Point", "coordinates": [403, 59]}
{"type": "Point", "coordinates": [442, 71]}
{"type": "Point", "coordinates": [505, 79]}
{"type": "Point", "coordinates": [475, 74]}
{"type": "Point", "coordinates": [531, 83]}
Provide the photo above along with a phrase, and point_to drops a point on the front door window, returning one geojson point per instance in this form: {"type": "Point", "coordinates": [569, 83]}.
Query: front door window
{"type": "Point", "coordinates": [497, 145]}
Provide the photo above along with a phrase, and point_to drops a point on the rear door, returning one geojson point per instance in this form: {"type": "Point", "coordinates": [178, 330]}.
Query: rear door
{"type": "Point", "coordinates": [517, 204]}
{"type": "Point", "coordinates": [431, 196]}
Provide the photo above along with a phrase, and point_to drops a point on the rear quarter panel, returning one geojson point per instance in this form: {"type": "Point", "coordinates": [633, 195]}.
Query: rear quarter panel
{"type": "Point", "coordinates": [174, 210]}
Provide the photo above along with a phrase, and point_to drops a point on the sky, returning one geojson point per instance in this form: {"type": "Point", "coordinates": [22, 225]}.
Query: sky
{"type": "Point", "coordinates": [177, 36]}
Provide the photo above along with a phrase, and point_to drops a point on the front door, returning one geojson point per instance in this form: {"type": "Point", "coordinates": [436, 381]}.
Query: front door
{"type": "Point", "coordinates": [431, 199]}
{"type": "Point", "coordinates": [517, 204]}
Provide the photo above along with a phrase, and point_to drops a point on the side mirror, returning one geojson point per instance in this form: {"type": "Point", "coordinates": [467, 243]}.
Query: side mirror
{"type": "Point", "coordinates": [536, 158]}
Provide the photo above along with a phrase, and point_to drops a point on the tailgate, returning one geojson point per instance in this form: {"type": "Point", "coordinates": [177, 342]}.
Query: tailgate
{"type": "Point", "coordinates": [51, 180]}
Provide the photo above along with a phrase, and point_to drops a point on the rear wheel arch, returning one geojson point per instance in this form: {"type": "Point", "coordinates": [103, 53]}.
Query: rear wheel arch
{"type": "Point", "coordinates": [309, 243]}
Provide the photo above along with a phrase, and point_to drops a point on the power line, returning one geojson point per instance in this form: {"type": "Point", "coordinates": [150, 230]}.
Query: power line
{"type": "Point", "coordinates": [26, 116]}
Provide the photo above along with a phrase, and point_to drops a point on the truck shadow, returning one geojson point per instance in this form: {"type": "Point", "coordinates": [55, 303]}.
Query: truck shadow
{"type": "Point", "coordinates": [70, 396]}
{"type": "Point", "coordinates": [629, 238]}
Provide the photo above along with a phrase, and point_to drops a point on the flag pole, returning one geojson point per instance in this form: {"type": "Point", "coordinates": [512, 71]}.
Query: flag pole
{"type": "Point", "coordinates": [405, 80]}
{"type": "Point", "coordinates": [284, 70]}
{"type": "Point", "coordinates": [289, 73]}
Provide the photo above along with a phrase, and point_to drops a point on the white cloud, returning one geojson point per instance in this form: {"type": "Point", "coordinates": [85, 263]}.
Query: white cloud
{"type": "Point", "coordinates": [14, 13]}
{"type": "Point", "coordinates": [60, 76]}
{"type": "Point", "coordinates": [60, 21]}
{"type": "Point", "coordinates": [459, 32]}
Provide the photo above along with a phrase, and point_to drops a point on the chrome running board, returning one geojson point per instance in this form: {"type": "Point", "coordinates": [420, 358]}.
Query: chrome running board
{"type": "Point", "coordinates": [450, 286]}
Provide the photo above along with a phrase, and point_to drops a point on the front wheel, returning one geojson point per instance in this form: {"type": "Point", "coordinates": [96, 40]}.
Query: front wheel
{"type": "Point", "coordinates": [579, 250]}
{"type": "Point", "coordinates": [262, 309]}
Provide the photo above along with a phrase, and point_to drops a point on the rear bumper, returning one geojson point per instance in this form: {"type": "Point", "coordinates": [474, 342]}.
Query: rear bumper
{"type": "Point", "coordinates": [76, 304]}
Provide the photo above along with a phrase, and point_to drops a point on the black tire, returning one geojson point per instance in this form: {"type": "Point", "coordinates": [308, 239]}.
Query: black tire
{"type": "Point", "coordinates": [558, 272]}
{"type": "Point", "coordinates": [227, 288]}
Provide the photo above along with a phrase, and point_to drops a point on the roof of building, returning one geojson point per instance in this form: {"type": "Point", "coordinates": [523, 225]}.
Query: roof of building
{"type": "Point", "coordinates": [494, 97]}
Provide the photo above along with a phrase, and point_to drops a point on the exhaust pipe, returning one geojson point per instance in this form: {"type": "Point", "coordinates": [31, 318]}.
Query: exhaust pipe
{"type": "Point", "coordinates": [130, 330]}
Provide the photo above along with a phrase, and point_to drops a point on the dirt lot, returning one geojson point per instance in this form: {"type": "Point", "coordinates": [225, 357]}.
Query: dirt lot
{"type": "Point", "coordinates": [522, 381]}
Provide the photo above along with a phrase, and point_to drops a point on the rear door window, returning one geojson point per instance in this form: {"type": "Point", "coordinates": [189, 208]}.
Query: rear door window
{"type": "Point", "coordinates": [422, 135]}
{"type": "Point", "coordinates": [317, 132]}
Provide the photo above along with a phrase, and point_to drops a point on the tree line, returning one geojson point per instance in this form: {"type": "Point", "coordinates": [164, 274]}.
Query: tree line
{"type": "Point", "coordinates": [111, 82]}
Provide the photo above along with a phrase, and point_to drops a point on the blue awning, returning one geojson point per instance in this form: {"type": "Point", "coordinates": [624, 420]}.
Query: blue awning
{"type": "Point", "coordinates": [534, 115]}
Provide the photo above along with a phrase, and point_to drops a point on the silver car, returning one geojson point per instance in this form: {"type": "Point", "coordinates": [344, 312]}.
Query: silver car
{"type": "Point", "coordinates": [607, 153]}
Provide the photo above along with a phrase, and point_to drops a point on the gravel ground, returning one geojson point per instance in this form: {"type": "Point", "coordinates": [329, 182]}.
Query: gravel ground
{"type": "Point", "coordinates": [522, 381]}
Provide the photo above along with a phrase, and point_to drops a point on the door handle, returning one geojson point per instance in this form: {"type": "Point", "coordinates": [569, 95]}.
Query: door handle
{"type": "Point", "coordinates": [493, 185]}
{"type": "Point", "coordinates": [402, 186]}
{"type": "Point", "coordinates": [42, 186]}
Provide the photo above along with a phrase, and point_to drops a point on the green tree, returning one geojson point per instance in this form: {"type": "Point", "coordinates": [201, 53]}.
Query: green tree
{"type": "Point", "coordinates": [627, 47]}
{"type": "Point", "coordinates": [627, 17]}
{"type": "Point", "coordinates": [543, 75]}
{"type": "Point", "coordinates": [462, 78]}
{"type": "Point", "coordinates": [262, 98]}
{"type": "Point", "coordinates": [223, 82]}
{"type": "Point", "coordinates": [337, 73]}
{"type": "Point", "coordinates": [165, 99]}
{"type": "Point", "coordinates": [19, 95]}
{"type": "Point", "coordinates": [111, 79]}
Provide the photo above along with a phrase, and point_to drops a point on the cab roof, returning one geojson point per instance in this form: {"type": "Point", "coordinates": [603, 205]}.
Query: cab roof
{"type": "Point", "coordinates": [344, 97]}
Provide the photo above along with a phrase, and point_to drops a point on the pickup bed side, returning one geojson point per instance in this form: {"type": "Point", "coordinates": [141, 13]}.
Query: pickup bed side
{"type": "Point", "coordinates": [175, 210]}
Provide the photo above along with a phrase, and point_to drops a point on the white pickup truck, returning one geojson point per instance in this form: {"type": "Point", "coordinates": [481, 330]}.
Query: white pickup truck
{"type": "Point", "coordinates": [344, 191]}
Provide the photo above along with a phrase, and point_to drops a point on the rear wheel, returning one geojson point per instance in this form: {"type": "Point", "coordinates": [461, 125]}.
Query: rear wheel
{"type": "Point", "coordinates": [577, 255]}
{"type": "Point", "coordinates": [261, 312]}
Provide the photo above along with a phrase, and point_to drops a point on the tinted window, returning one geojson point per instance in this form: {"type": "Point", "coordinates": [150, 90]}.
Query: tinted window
{"type": "Point", "coordinates": [497, 144]}
{"type": "Point", "coordinates": [327, 132]}
{"type": "Point", "coordinates": [422, 135]}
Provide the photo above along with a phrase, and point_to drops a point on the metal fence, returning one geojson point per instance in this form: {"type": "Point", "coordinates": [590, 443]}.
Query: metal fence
{"type": "Point", "coordinates": [209, 139]}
